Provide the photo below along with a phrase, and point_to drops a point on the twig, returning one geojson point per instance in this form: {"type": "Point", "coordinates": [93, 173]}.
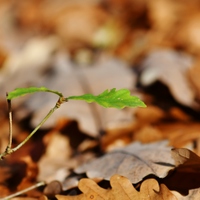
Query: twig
{"type": "Point", "coordinates": [10, 150]}
{"type": "Point", "coordinates": [24, 191]}
{"type": "Point", "coordinates": [10, 123]}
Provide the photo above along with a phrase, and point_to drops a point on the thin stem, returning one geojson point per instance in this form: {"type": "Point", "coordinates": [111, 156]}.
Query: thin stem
{"type": "Point", "coordinates": [24, 191]}
{"type": "Point", "coordinates": [37, 127]}
{"type": "Point", "coordinates": [10, 150]}
{"type": "Point", "coordinates": [10, 123]}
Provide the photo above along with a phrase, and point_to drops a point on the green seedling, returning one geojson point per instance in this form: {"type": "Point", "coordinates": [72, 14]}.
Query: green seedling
{"type": "Point", "coordinates": [109, 99]}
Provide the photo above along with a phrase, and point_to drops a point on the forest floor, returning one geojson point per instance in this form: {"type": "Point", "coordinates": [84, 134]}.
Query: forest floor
{"type": "Point", "coordinates": [84, 151]}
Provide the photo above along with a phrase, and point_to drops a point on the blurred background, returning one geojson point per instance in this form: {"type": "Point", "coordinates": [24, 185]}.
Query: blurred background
{"type": "Point", "coordinates": [76, 47]}
{"type": "Point", "coordinates": [151, 48]}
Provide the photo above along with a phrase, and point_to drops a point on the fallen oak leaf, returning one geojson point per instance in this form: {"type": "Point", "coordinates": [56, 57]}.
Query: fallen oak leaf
{"type": "Point", "coordinates": [159, 65]}
{"type": "Point", "coordinates": [77, 197]}
{"type": "Point", "coordinates": [186, 175]}
{"type": "Point", "coordinates": [186, 157]}
{"type": "Point", "coordinates": [90, 191]}
{"type": "Point", "coordinates": [122, 188]}
{"type": "Point", "coordinates": [150, 189]}
{"type": "Point", "coordinates": [134, 161]}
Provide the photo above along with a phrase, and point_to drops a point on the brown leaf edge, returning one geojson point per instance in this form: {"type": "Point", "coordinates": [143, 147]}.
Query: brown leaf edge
{"type": "Point", "coordinates": [186, 172]}
{"type": "Point", "coordinates": [122, 188]}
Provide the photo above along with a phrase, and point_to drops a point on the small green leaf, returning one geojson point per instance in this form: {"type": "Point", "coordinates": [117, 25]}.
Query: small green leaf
{"type": "Point", "coordinates": [113, 98]}
{"type": "Point", "coordinates": [23, 91]}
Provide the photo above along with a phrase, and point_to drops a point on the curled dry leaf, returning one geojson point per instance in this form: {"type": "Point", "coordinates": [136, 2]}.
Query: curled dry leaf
{"type": "Point", "coordinates": [121, 189]}
{"type": "Point", "coordinates": [186, 158]}
{"type": "Point", "coordinates": [134, 162]}
{"type": "Point", "coordinates": [187, 171]}
{"type": "Point", "coordinates": [170, 68]}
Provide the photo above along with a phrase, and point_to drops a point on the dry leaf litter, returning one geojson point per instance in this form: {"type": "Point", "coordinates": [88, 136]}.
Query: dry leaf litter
{"type": "Point", "coordinates": [85, 151]}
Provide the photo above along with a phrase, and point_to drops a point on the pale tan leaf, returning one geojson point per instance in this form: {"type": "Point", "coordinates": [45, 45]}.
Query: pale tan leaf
{"type": "Point", "coordinates": [170, 68]}
{"type": "Point", "coordinates": [57, 153]}
{"type": "Point", "coordinates": [187, 171]}
{"type": "Point", "coordinates": [151, 190]}
{"type": "Point", "coordinates": [134, 162]}
{"type": "Point", "coordinates": [186, 157]}
{"type": "Point", "coordinates": [71, 20]}
{"type": "Point", "coordinates": [121, 189]}
{"type": "Point", "coordinates": [90, 191]}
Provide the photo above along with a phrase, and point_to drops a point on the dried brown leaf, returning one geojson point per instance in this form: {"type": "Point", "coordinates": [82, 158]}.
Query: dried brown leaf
{"type": "Point", "coordinates": [148, 134]}
{"type": "Point", "coordinates": [180, 134]}
{"type": "Point", "coordinates": [187, 171]}
{"type": "Point", "coordinates": [71, 20]}
{"type": "Point", "coordinates": [160, 11]}
{"type": "Point", "coordinates": [162, 64]}
{"type": "Point", "coordinates": [57, 153]}
{"type": "Point", "coordinates": [4, 173]}
{"type": "Point", "coordinates": [121, 189]}
{"type": "Point", "coordinates": [193, 195]}
{"type": "Point", "coordinates": [186, 158]}
{"type": "Point", "coordinates": [188, 32]}
{"type": "Point", "coordinates": [152, 190]}
{"type": "Point", "coordinates": [134, 162]}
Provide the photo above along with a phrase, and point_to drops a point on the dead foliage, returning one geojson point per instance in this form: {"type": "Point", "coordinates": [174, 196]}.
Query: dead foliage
{"type": "Point", "coordinates": [84, 151]}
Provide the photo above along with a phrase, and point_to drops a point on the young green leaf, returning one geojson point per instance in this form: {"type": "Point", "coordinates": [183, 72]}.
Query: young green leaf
{"type": "Point", "coordinates": [112, 99]}
{"type": "Point", "coordinates": [23, 91]}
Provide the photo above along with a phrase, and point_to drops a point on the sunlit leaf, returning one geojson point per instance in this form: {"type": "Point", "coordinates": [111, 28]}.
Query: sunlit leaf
{"type": "Point", "coordinates": [112, 99]}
